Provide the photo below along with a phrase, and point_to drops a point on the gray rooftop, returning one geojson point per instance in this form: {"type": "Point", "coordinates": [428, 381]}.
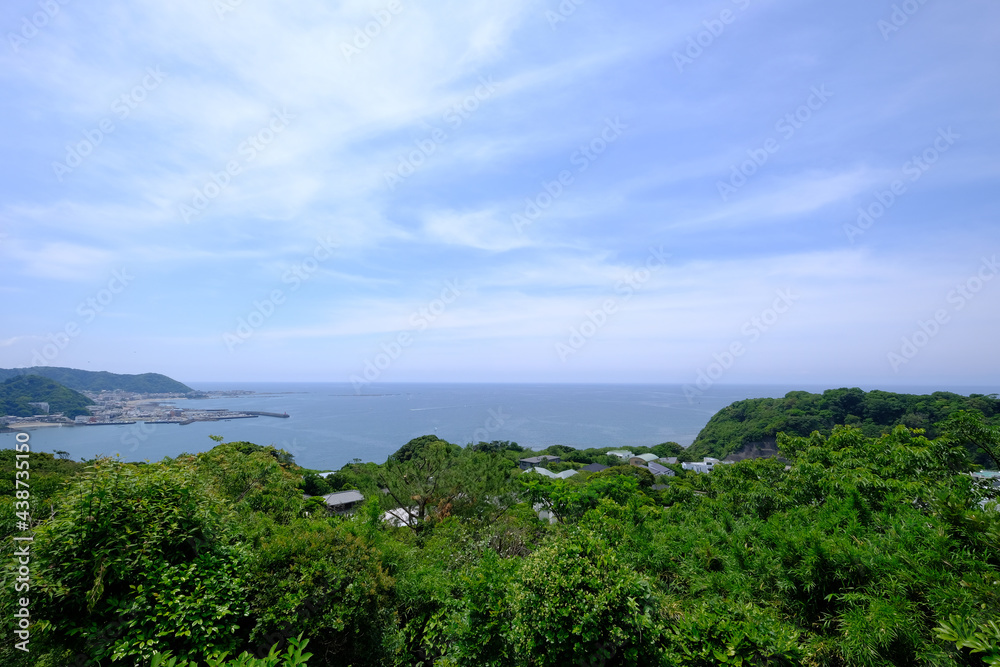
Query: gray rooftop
{"type": "Point", "coordinates": [343, 497]}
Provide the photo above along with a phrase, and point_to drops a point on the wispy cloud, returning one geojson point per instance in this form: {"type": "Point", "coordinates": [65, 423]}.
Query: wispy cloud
{"type": "Point", "coordinates": [478, 109]}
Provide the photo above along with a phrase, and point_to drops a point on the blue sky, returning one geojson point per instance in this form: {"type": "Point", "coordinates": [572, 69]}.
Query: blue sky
{"type": "Point", "coordinates": [518, 191]}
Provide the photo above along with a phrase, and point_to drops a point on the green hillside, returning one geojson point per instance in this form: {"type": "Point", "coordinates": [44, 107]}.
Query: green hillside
{"type": "Point", "coordinates": [17, 393]}
{"type": "Point", "coordinates": [79, 380]}
{"type": "Point", "coordinates": [759, 420]}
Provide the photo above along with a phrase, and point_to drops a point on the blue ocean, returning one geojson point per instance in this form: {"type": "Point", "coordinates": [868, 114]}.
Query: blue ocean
{"type": "Point", "coordinates": [329, 425]}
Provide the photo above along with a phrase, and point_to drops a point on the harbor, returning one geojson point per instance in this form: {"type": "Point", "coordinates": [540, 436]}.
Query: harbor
{"type": "Point", "coordinates": [121, 408]}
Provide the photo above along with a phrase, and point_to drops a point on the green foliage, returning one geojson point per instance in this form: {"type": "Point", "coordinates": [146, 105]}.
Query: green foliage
{"type": "Point", "coordinates": [244, 447]}
{"type": "Point", "coordinates": [253, 478]}
{"type": "Point", "coordinates": [292, 657]}
{"type": "Point", "coordinates": [314, 485]}
{"type": "Point", "coordinates": [316, 578]}
{"type": "Point", "coordinates": [16, 393]}
{"type": "Point", "coordinates": [414, 447]}
{"type": "Point", "coordinates": [569, 500]}
{"type": "Point", "coordinates": [857, 550]}
{"type": "Point", "coordinates": [48, 474]}
{"type": "Point", "coordinates": [969, 429]}
{"type": "Point", "coordinates": [643, 475]}
{"type": "Point", "coordinates": [731, 634]}
{"type": "Point", "coordinates": [436, 477]}
{"type": "Point", "coordinates": [496, 446]}
{"type": "Point", "coordinates": [474, 631]}
{"type": "Point", "coordinates": [418, 477]}
{"type": "Point", "coordinates": [983, 639]}
{"type": "Point", "coordinates": [575, 602]}
{"type": "Point", "coordinates": [79, 380]}
{"type": "Point", "coordinates": [134, 563]}
{"type": "Point", "coordinates": [667, 449]}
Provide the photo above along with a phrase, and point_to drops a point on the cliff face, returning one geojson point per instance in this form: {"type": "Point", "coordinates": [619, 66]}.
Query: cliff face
{"type": "Point", "coordinates": [767, 448]}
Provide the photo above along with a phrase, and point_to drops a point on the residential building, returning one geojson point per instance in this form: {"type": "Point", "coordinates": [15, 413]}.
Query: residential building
{"type": "Point", "coordinates": [658, 469]}
{"type": "Point", "coordinates": [987, 477]}
{"type": "Point", "coordinates": [343, 502]}
{"type": "Point", "coordinates": [537, 461]}
{"type": "Point", "coordinates": [702, 466]}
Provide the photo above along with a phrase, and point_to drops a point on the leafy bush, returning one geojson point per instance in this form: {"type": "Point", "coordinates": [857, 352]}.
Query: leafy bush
{"type": "Point", "coordinates": [575, 602]}
{"type": "Point", "coordinates": [315, 578]}
{"type": "Point", "coordinates": [135, 562]}
{"type": "Point", "coordinates": [292, 657]}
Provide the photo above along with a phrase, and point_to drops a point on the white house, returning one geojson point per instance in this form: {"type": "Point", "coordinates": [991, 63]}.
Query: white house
{"type": "Point", "coordinates": [399, 517]}
{"type": "Point", "coordinates": [702, 466]}
{"type": "Point", "coordinates": [544, 514]}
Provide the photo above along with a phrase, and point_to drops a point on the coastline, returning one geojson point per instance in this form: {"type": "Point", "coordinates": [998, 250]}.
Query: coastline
{"type": "Point", "coordinates": [24, 425]}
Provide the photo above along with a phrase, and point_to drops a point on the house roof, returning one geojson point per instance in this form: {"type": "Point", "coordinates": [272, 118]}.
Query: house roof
{"type": "Point", "coordinates": [595, 467]}
{"type": "Point", "coordinates": [621, 453]}
{"type": "Point", "coordinates": [539, 459]}
{"type": "Point", "coordinates": [646, 457]}
{"type": "Point", "coordinates": [658, 469]}
{"type": "Point", "coordinates": [343, 497]}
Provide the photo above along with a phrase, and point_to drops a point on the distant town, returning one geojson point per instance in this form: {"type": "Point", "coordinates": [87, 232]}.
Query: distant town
{"type": "Point", "coordinates": [123, 407]}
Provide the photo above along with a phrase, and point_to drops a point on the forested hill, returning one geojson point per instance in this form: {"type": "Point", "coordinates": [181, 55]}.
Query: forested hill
{"type": "Point", "coordinates": [759, 420]}
{"type": "Point", "coordinates": [17, 393]}
{"type": "Point", "coordinates": [80, 380]}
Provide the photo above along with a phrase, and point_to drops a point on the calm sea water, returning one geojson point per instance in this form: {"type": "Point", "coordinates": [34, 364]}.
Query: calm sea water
{"type": "Point", "coordinates": [329, 425]}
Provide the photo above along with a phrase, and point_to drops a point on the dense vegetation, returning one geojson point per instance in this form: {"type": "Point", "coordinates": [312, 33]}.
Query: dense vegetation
{"type": "Point", "coordinates": [152, 383]}
{"type": "Point", "coordinates": [17, 394]}
{"type": "Point", "coordinates": [760, 420]}
{"type": "Point", "coordinates": [862, 551]}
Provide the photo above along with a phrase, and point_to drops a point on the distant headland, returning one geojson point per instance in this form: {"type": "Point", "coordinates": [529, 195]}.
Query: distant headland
{"type": "Point", "coordinates": [49, 396]}
{"type": "Point", "coordinates": [80, 380]}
